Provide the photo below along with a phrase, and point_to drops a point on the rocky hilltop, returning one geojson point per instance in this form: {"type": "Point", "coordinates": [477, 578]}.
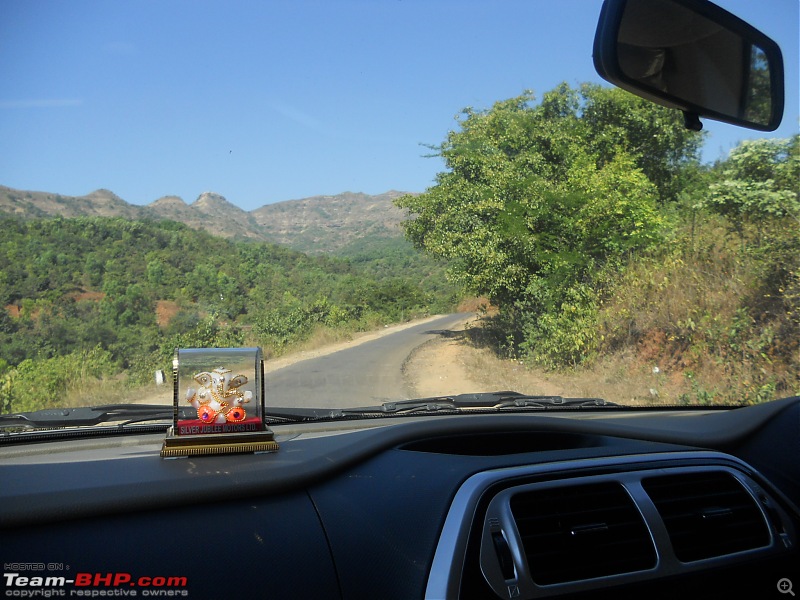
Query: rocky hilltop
{"type": "Point", "coordinates": [327, 223]}
{"type": "Point", "coordinates": [100, 203]}
{"type": "Point", "coordinates": [316, 224]}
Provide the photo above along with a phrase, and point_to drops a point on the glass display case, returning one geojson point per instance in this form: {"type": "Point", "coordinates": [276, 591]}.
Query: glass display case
{"type": "Point", "coordinates": [218, 398]}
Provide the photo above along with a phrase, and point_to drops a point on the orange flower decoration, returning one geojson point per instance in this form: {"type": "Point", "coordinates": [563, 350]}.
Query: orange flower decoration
{"type": "Point", "coordinates": [235, 415]}
{"type": "Point", "coordinates": [206, 414]}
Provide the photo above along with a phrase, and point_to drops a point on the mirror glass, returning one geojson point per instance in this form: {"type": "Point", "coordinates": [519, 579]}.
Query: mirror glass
{"type": "Point", "coordinates": [687, 57]}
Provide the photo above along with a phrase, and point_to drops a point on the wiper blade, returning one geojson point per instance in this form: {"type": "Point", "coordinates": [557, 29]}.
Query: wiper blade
{"type": "Point", "coordinates": [127, 414]}
{"type": "Point", "coordinates": [93, 415]}
{"type": "Point", "coordinates": [486, 401]}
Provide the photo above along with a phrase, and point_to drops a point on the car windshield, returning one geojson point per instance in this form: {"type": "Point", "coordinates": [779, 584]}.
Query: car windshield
{"type": "Point", "coordinates": [393, 200]}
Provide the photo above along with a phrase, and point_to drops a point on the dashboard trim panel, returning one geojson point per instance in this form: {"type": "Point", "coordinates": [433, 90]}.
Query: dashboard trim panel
{"type": "Point", "coordinates": [462, 518]}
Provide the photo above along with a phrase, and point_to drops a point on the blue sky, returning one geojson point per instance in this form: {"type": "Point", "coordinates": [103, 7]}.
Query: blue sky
{"type": "Point", "coordinates": [264, 101]}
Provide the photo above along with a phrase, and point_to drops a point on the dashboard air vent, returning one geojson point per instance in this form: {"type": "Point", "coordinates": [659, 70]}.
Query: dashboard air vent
{"type": "Point", "coordinates": [707, 514]}
{"type": "Point", "coordinates": [581, 532]}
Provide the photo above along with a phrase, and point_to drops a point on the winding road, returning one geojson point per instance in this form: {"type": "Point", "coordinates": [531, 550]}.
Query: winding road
{"type": "Point", "coordinates": [365, 374]}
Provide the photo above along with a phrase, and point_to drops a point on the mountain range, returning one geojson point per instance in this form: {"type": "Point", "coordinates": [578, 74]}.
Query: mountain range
{"type": "Point", "coordinates": [316, 224]}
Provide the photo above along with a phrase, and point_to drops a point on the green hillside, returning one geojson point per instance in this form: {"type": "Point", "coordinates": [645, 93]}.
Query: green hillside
{"type": "Point", "coordinates": [95, 298]}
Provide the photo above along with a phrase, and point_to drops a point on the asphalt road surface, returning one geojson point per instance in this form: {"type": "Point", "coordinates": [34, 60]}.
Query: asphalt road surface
{"type": "Point", "coordinates": [363, 375]}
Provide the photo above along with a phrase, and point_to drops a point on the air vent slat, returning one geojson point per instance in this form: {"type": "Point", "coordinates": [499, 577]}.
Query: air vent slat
{"type": "Point", "coordinates": [707, 514]}
{"type": "Point", "coordinates": [582, 532]}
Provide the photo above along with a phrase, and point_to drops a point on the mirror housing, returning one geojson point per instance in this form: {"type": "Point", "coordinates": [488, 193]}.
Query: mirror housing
{"type": "Point", "coordinates": [694, 56]}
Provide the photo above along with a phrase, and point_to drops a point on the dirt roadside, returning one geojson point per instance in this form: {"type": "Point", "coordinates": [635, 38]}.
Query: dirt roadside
{"type": "Point", "coordinates": [452, 364]}
{"type": "Point", "coordinates": [448, 365]}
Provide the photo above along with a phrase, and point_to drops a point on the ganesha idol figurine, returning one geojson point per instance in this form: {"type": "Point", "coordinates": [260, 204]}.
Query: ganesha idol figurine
{"type": "Point", "coordinates": [219, 400]}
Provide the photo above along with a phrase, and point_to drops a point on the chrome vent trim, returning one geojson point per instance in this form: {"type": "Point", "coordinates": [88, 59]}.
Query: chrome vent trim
{"type": "Point", "coordinates": [504, 557]}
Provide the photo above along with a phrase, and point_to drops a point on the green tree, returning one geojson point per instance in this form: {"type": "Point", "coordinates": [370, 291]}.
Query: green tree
{"type": "Point", "coordinates": [759, 183]}
{"type": "Point", "coordinates": [534, 204]}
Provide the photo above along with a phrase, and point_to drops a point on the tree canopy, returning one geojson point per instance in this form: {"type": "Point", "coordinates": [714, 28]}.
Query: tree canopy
{"type": "Point", "coordinates": [758, 183]}
{"type": "Point", "coordinates": [536, 199]}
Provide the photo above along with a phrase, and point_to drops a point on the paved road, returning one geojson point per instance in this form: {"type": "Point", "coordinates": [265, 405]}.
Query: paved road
{"type": "Point", "coordinates": [363, 375]}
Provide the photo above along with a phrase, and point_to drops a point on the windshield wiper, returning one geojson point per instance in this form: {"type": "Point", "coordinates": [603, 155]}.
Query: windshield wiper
{"type": "Point", "coordinates": [94, 415]}
{"type": "Point", "coordinates": [482, 402]}
{"type": "Point", "coordinates": [126, 414]}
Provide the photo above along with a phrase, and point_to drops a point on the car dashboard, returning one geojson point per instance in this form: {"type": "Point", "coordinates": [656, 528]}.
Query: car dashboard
{"type": "Point", "coordinates": [657, 503]}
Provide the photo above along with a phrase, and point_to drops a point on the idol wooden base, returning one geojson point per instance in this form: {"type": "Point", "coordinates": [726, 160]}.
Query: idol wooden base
{"type": "Point", "coordinates": [218, 443]}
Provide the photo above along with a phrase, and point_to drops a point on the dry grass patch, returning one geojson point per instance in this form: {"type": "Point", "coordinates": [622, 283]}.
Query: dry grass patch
{"type": "Point", "coordinates": [166, 310]}
{"type": "Point", "coordinates": [613, 379]}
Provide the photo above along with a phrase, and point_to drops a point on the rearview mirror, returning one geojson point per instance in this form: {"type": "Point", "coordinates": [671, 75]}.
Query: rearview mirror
{"type": "Point", "coordinates": [694, 56]}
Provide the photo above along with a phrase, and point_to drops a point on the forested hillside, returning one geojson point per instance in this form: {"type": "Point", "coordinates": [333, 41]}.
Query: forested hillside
{"type": "Point", "coordinates": [95, 299]}
{"type": "Point", "coordinates": [588, 220]}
